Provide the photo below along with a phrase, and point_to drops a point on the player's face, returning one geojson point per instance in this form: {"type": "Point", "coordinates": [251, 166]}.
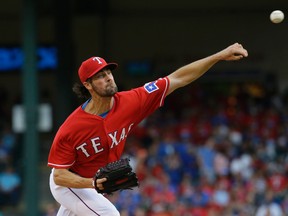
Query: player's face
{"type": "Point", "coordinates": [103, 83]}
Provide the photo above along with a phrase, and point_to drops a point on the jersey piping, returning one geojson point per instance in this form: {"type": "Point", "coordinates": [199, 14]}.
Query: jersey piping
{"type": "Point", "coordinates": [59, 165]}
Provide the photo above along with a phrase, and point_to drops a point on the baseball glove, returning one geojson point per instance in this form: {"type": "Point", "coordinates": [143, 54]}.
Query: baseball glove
{"type": "Point", "coordinates": [119, 176]}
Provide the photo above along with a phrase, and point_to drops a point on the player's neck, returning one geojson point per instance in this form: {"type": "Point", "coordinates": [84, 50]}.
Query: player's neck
{"type": "Point", "coordinates": [99, 105]}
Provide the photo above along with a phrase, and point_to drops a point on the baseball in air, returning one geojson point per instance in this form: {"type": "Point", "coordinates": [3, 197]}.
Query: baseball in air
{"type": "Point", "coordinates": [277, 16]}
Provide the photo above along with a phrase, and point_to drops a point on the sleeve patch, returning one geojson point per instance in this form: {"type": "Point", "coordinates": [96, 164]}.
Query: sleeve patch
{"type": "Point", "coordinates": [151, 87]}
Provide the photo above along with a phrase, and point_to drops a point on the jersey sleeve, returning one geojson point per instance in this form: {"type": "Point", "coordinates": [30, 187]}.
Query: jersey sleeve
{"type": "Point", "coordinates": [152, 95]}
{"type": "Point", "coordinates": [61, 153]}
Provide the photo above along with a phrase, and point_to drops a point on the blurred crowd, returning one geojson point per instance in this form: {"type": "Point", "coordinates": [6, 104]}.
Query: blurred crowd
{"type": "Point", "coordinates": [10, 150]}
{"type": "Point", "coordinates": [10, 180]}
{"type": "Point", "coordinates": [211, 150]}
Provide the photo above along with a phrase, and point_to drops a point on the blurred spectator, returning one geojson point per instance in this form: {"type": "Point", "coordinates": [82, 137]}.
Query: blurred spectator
{"type": "Point", "coordinates": [173, 168]}
{"type": "Point", "coordinates": [166, 146]}
{"type": "Point", "coordinates": [8, 139]}
{"type": "Point", "coordinates": [206, 155]}
{"type": "Point", "coordinates": [221, 197]}
{"type": "Point", "coordinates": [199, 198]}
{"type": "Point", "coordinates": [128, 201]}
{"type": "Point", "coordinates": [257, 187]}
{"type": "Point", "coordinates": [221, 164]}
{"type": "Point", "coordinates": [277, 182]}
{"type": "Point", "coordinates": [7, 144]}
{"type": "Point", "coordinates": [242, 165]}
{"type": "Point", "coordinates": [190, 163]}
{"type": "Point", "coordinates": [269, 207]}
{"type": "Point", "coordinates": [10, 183]}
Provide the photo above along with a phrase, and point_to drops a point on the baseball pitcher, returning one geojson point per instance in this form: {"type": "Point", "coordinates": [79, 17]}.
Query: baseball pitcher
{"type": "Point", "coordinates": [85, 155]}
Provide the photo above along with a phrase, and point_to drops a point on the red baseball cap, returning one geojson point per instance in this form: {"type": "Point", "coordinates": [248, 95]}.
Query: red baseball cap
{"type": "Point", "coordinates": [92, 66]}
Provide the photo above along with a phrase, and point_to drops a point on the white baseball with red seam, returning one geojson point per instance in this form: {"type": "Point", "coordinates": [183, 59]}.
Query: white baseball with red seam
{"type": "Point", "coordinates": [277, 16]}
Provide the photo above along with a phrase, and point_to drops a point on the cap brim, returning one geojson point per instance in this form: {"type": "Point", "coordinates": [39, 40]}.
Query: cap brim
{"type": "Point", "coordinates": [111, 66]}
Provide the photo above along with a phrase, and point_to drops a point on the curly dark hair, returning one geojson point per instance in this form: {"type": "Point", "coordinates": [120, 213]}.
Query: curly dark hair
{"type": "Point", "coordinates": [81, 91]}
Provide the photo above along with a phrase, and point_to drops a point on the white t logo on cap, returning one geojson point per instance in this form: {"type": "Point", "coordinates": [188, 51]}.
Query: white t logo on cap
{"type": "Point", "coordinates": [97, 59]}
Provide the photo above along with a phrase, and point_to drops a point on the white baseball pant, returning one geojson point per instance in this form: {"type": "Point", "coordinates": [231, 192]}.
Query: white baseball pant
{"type": "Point", "coordinates": [79, 202]}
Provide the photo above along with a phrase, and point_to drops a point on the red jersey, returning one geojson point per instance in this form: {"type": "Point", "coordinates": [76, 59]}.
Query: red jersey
{"type": "Point", "coordinates": [277, 182]}
{"type": "Point", "coordinates": [86, 142]}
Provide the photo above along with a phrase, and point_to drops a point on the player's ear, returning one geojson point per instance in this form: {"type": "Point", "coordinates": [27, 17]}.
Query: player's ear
{"type": "Point", "coordinates": [87, 85]}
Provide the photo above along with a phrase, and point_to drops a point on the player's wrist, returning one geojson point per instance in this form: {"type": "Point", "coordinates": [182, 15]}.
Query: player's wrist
{"type": "Point", "coordinates": [93, 182]}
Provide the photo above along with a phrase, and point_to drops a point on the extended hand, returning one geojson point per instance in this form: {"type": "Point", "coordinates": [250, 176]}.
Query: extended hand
{"type": "Point", "coordinates": [233, 52]}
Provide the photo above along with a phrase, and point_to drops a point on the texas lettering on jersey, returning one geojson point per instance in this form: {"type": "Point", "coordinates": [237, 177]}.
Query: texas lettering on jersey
{"type": "Point", "coordinates": [115, 138]}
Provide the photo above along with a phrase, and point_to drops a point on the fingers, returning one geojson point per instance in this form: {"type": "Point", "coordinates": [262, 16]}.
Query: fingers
{"type": "Point", "coordinates": [235, 57]}
{"type": "Point", "coordinates": [99, 183]}
{"type": "Point", "coordinates": [238, 57]}
{"type": "Point", "coordinates": [237, 45]}
{"type": "Point", "coordinates": [240, 51]}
